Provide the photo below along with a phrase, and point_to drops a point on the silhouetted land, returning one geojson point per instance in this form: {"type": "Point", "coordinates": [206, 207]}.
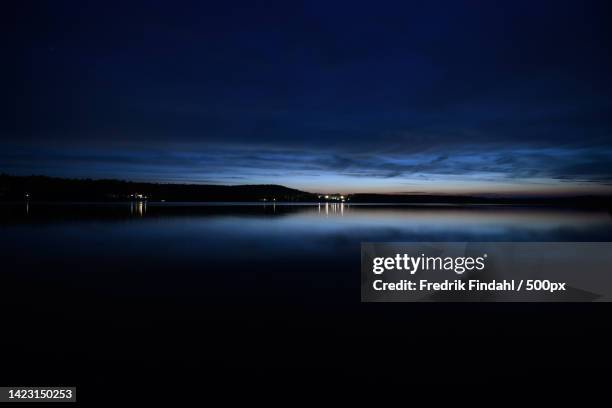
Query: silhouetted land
{"type": "Point", "coordinates": [42, 188]}
{"type": "Point", "coordinates": [589, 201]}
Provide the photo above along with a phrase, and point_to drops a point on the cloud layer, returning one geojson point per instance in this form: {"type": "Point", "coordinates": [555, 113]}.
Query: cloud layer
{"type": "Point", "coordinates": [433, 96]}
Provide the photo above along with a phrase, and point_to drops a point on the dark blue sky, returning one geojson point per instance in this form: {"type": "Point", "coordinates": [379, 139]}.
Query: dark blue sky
{"type": "Point", "coordinates": [431, 96]}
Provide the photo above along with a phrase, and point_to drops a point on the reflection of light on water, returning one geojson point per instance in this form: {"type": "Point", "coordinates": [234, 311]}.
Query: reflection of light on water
{"type": "Point", "coordinates": [273, 205]}
{"type": "Point", "coordinates": [333, 208]}
{"type": "Point", "coordinates": [355, 223]}
{"type": "Point", "coordinates": [219, 229]}
{"type": "Point", "coordinates": [138, 208]}
{"type": "Point", "coordinates": [458, 217]}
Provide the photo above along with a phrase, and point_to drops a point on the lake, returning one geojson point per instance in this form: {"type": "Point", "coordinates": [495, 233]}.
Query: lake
{"type": "Point", "coordinates": [149, 293]}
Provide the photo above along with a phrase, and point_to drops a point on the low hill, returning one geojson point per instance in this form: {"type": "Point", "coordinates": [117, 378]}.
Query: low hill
{"type": "Point", "coordinates": [42, 188]}
{"type": "Point", "coordinates": [59, 189]}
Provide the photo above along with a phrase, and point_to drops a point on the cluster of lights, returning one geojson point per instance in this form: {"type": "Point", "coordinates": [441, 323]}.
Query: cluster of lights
{"type": "Point", "coordinates": [138, 196]}
{"type": "Point", "coordinates": [334, 197]}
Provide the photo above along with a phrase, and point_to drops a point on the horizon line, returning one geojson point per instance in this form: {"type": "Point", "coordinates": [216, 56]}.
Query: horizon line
{"type": "Point", "coordinates": [494, 194]}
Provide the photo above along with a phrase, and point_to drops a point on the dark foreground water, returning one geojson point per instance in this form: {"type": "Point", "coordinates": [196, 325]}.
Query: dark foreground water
{"type": "Point", "coordinates": [264, 298]}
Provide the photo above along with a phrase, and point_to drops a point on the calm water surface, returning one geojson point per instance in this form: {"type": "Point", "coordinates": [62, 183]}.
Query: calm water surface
{"type": "Point", "coordinates": [298, 240]}
{"type": "Point", "coordinates": [160, 292]}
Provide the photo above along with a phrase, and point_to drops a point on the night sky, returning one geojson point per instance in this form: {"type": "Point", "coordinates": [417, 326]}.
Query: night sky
{"type": "Point", "coordinates": [488, 97]}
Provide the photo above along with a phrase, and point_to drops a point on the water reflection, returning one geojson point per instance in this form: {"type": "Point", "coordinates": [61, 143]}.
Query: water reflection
{"type": "Point", "coordinates": [288, 242]}
{"type": "Point", "coordinates": [333, 208]}
{"type": "Point", "coordinates": [265, 205]}
{"type": "Point", "coordinates": [456, 217]}
{"type": "Point", "coordinates": [330, 221]}
{"type": "Point", "coordinates": [353, 223]}
{"type": "Point", "coordinates": [138, 208]}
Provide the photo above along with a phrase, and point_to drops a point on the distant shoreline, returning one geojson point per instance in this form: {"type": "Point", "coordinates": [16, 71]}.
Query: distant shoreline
{"type": "Point", "coordinates": [59, 190]}
{"type": "Point", "coordinates": [281, 203]}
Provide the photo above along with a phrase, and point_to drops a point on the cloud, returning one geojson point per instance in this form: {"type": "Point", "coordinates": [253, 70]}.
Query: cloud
{"type": "Point", "coordinates": [367, 97]}
{"type": "Point", "coordinates": [293, 167]}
